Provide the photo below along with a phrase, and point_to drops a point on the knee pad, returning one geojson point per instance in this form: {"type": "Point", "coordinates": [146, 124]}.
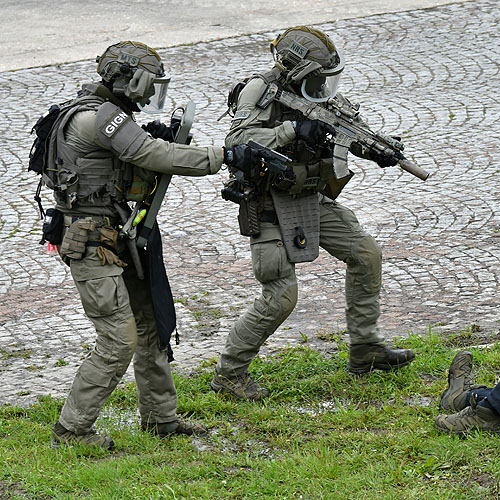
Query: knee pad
{"type": "Point", "coordinates": [289, 301]}
{"type": "Point", "coordinates": [369, 255]}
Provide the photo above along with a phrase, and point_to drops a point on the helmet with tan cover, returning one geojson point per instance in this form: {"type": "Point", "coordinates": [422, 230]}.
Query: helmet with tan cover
{"type": "Point", "coordinates": [307, 57]}
{"type": "Point", "coordinates": [135, 70]}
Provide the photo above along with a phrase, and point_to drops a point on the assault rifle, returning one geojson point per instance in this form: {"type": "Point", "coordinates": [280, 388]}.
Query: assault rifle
{"type": "Point", "coordinates": [344, 117]}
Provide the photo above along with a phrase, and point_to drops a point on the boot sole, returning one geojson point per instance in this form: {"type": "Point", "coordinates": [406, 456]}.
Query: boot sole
{"type": "Point", "coordinates": [56, 445]}
{"type": "Point", "coordinates": [383, 367]}
{"type": "Point", "coordinates": [460, 433]}
{"type": "Point", "coordinates": [446, 400]}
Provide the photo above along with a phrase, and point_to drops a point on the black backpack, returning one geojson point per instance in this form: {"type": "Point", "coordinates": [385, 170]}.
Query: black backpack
{"type": "Point", "coordinates": [42, 129]}
{"type": "Point", "coordinates": [38, 152]}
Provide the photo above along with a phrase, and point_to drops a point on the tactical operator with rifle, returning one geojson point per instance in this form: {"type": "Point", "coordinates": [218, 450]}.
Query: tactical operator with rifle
{"type": "Point", "coordinates": [289, 212]}
{"type": "Point", "coordinates": [97, 160]}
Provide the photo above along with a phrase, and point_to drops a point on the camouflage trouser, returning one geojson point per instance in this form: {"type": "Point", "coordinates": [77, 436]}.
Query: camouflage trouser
{"type": "Point", "coordinates": [119, 306]}
{"type": "Point", "coordinates": [341, 236]}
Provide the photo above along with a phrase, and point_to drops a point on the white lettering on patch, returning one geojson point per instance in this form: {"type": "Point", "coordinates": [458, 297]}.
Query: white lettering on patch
{"type": "Point", "coordinates": [115, 123]}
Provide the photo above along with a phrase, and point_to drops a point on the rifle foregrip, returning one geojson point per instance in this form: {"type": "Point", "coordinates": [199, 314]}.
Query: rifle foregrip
{"type": "Point", "coordinates": [414, 169]}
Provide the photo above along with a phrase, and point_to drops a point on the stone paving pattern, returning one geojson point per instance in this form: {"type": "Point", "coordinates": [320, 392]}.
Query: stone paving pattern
{"type": "Point", "coordinates": [429, 75]}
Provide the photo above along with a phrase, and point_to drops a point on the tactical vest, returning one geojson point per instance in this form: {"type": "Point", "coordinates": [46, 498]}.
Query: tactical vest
{"type": "Point", "coordinates": [312, 168]}
{"type": "Point", "coordinates": [95, 179]}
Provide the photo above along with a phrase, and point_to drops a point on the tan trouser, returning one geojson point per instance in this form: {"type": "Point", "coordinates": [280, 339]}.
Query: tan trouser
{"type": "Point", "coordinates": [119, 306]}
{"type": "Point", "coordinates": [340, 235]}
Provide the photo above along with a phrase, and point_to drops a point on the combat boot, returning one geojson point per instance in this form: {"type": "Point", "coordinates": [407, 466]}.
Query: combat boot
{"type": "Point", "coordinates": [367, 357]}
{"type": "Point", "coordinates": [454, 398]}
{"type": "Point", "coordinates": [474, 416]}
{"type": "Point", "coordinates": [241, 387]}
{"type": "Point", "coordinates": [167, 429]}
{"type": "Point", "coordinates": [63, 437]}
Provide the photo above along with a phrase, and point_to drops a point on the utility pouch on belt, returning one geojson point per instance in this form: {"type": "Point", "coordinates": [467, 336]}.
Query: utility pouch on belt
{"type": "Point", "coordinates": [248, 218]}
{"type": "Point", "coordinates": [74, 242]}
{"type": "Point", "coordinates": [107, 252]}
{"type": "Point", "coordinates": [53, 225]}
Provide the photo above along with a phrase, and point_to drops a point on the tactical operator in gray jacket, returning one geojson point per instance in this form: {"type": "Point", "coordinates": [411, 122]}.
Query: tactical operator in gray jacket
{"type": "Point", "coordinates": [98, 160]}
{"type": "Point", "coordinates": [297, 213]}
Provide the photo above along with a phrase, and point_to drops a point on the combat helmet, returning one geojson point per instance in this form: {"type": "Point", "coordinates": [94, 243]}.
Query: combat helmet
{"type": "Point", "coordinates": [134, 70]}
{"type": "Point", "coordinates": [308, 58]}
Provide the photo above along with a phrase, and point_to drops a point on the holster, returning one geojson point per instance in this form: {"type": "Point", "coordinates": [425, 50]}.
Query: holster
{"type": "Point", "coordinates": [248, 218]}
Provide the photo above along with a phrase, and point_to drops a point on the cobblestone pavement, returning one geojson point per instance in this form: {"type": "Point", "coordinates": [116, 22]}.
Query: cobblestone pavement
{"type": "Point", "coordinates": [431, 76]}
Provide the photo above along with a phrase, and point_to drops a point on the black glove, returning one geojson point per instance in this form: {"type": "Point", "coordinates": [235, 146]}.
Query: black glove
{"type": "Point", "coordinates": [159, 130]}
{"type": "Point", "coordinates": [382, 160]}
{"type": "Point", "coordinates": [312, 132]}
{"type": "Point", "coordinates": [242, 157]}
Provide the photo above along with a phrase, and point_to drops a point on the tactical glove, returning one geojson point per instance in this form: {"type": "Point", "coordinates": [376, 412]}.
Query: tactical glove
{"type": "Point", "coordinates": [312, 132]}
{"type": "Point", "coordinates": [242, 157]}
{"type": "Point", "coordinates": [159, 130]}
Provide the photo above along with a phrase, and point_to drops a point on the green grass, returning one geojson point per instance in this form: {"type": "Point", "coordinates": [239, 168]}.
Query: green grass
{"type": "Point", "coordinates": [322, 434]}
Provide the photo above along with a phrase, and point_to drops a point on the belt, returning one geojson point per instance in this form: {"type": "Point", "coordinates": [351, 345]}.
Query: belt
{"type": "Point", "coordinates": [100, 220]}
{"type": "Point", "coordinates": [101, 244]}
{"type": "Point", "coordinates": [269, 216]}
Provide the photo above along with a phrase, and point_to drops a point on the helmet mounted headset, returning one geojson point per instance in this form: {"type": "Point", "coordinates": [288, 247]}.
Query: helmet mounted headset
{"type": "Point", "coordinates": [308, 58]}
{"type": "Point", "coordinates": [135, 71]}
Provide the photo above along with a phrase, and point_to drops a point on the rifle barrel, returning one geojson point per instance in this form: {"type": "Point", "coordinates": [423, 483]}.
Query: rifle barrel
{"type": "Point", "coordinates": [410, 167]}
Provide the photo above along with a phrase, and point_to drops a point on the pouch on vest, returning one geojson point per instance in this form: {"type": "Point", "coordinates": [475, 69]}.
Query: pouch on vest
{"type": "Point", "coordinates": [53, 225]}
{"type": "Point", "coordinates": [74, 242]}
{"type": "Point", "coordinates": [335, 186]}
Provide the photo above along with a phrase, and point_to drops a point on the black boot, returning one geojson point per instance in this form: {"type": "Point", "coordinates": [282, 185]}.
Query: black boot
{"type": "Point", "coordinates": [367, 357]}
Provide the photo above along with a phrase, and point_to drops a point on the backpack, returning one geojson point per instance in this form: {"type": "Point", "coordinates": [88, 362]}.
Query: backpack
{"type": "Point", "coordinates": [38, 152]}
{"type": "Point", "coordinates": [42, 129]}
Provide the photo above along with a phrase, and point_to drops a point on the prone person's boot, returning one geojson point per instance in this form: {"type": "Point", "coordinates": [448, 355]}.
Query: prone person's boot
{"type": "Point", "coordinates": [456, 396]}
{"type": "Point", "coordinates": [364, 358]}
{"type": "Point", "coordinates": [63, 437]}
{"type": "Point", "coordinates": [475, 416]}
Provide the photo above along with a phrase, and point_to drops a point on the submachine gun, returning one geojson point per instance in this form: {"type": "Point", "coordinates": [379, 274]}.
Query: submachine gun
{"type": "Point", "coordinates": [138, 225]}
{"type": "Point", "coordinates": [349, 127]}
